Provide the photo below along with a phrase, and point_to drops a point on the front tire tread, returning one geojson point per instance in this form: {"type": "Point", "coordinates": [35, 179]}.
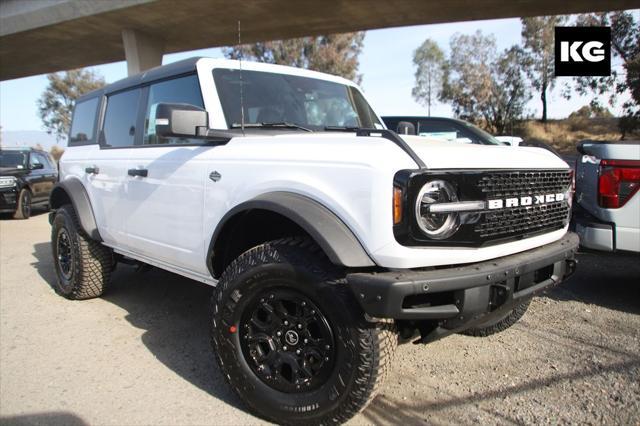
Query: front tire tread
{"type": "Point", "coordinates": [377, 341]}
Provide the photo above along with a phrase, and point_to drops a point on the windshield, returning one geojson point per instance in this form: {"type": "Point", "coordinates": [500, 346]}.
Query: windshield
{"type": "Point", "coordinates": [13, 160]}
{"type": "Point", "coordinates": [279, 98]}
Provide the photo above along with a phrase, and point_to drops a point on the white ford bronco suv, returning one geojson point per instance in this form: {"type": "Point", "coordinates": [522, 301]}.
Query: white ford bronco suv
{"type": "Point", "coordinates": [328, 238]}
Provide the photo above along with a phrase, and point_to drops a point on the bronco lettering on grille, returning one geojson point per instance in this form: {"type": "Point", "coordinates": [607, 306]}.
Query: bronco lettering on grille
{"type": "Point", "coordinates": [524, 201]}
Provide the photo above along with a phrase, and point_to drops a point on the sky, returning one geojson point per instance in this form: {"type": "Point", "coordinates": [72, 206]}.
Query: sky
{"type": "Point", "coordinates": [385, 62]}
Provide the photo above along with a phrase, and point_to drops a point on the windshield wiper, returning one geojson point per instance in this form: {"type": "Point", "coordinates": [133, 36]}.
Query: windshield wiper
{"type": "Point", "coordinates": [342, 128]}
{"type": "Point", "coordinates": [282, 124]}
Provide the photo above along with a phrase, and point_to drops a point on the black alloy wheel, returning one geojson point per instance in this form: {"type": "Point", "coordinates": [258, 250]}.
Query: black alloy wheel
{"type": "Point", "coordinates": [64, 254]}
{"type": "Point", "coordinates": [23, 209]}
{"type": "Point", "coordinates": [292, 340]}
{"type": "Point", "coordinates": [26, 204]}
{"type": "Point", "coordinates": [287, 341]}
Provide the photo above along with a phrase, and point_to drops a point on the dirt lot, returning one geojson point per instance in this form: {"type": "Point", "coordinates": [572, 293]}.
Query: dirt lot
{"type": "Point", "coordinates": [141, 355]}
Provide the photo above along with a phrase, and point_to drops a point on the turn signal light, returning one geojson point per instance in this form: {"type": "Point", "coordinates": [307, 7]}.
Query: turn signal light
{"type": "Point", "coordinates": [619, 181]}
{"type": "Point", "coordinates": [397, 205]}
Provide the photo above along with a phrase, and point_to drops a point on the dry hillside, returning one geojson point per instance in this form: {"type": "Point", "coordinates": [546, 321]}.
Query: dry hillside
{"type": "Point", "coordinates": [563, 135]}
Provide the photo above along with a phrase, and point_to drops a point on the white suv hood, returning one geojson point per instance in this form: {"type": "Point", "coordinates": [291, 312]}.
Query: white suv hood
{"type": "Point", "coordinates": [438, 154]}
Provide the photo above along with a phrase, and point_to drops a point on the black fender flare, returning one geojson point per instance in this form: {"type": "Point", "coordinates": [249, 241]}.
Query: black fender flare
{"type": "Point", "coordinates": [73, 190]}
{"type": "Point", "coordinates": [333, 236]}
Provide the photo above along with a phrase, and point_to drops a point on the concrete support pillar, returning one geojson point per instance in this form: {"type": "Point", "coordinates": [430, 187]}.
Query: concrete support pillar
{"type": "Point", "coordinates": [141, 50]}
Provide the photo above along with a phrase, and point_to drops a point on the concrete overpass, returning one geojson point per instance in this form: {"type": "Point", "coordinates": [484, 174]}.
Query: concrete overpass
{"type": "Point", "coordinates": [42, 36]}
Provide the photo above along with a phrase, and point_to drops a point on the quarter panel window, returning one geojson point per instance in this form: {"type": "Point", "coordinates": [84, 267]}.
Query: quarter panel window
{"type": "Point", "coordinates": [120, 119]}
{"type": "Point", "coordinates": [183, 90]}
{"type": "Point", "coordinates": [84, 119]}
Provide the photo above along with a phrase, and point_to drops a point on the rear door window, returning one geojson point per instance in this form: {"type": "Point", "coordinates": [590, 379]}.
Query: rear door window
{"type": "Point", "coordinates": [120, 119]}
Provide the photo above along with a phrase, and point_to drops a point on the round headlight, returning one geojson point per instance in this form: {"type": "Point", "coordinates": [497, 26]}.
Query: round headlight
{"type": "Point", "coordinates": [436, 225]}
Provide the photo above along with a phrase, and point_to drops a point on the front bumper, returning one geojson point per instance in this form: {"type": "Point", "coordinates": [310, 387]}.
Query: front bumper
{"type": "Point", "coordinates": [8, 200]}
{"type": "Point", "coordinates": [461, 295]}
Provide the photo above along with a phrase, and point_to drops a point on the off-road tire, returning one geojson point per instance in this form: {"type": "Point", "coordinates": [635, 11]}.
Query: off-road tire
{"type": "Point", "coordinates": [500, 324]}
{"type": "Point", "coordinates": [363, 349]}
{"type": "Point", "coordinates": [23, 207]}
{"type": "Point", "coordinates": [91, 262]}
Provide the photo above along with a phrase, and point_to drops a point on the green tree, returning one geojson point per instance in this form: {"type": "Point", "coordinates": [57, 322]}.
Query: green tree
{"type": "Point", "coordinates": [538, 38]}
{"type": "Point", "coordinates": [625, 49]}
{"type": "Point", "coordinates": [510, 92]}
{"type": "Point", "coordinates": [429, 62]}
{"type": "Point", "coordinates": [334, 54]}
{"type": "Point", "coordinates": [483, 86]}
{"type": "Point", "coordinates": [55, 105]}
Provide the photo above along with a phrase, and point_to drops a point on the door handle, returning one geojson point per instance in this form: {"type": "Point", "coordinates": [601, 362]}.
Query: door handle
{"type": "Point", "coordinates": [138, 172]}
{"type": "Point", "coordinates": [92, 170]}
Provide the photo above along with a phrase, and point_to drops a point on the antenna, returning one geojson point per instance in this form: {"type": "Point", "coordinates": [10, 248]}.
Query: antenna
{"type": "Point", "coordinates": [241, 83]}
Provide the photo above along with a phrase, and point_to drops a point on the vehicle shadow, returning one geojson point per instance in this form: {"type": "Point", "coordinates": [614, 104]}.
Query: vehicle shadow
{"type": "Point", "coordinates": [53, 418]}
{"type": "Point", "coordinates": [173, 311]}
{"type": "Point", "coordinates": [609, 280]}
{"type": "Point", "coordinates": [36, 211]}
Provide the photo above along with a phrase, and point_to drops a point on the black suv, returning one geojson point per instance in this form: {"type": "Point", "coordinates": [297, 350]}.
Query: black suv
{"type": "Point", "coordinates": [27, 176]}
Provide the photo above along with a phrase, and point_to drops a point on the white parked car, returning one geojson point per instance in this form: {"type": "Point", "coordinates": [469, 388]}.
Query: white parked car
{"type": "Point", "coordinates": [328, 238]}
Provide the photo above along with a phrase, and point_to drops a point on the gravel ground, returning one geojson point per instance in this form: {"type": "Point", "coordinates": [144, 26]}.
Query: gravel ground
{"type": "Point", "coordinates": [141, 356]}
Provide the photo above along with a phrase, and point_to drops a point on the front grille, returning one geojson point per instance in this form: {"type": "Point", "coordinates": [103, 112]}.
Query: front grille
{"type": "Point", "coordinates": [505, 184]}
{"type": "Point", "coordinates": [523, 220]}
{"type": "Point", "coordinates": [496, 223]}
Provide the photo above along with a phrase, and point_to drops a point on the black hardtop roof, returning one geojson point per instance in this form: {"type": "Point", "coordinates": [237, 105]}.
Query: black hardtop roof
{"type": "Point", "coordinates": [158, 73]}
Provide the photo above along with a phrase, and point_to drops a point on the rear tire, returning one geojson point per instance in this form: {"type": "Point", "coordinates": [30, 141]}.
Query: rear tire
{"type": "Point", "coordinates": [500, 324]}
{"type": "Point", "coordinates": [23, 209]}
{"type": "Point", "coordinates": [333, 363]}
{"type": "Point", "coordinates": [83, 266]}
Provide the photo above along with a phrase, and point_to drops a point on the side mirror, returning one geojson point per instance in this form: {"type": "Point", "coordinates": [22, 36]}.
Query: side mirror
{"type": "Point", "coordinates": [37, 166]}
{"type": "Point", "coordinates": [180, 120]}
{"type": "Point", "coordinates": [406, 128]}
